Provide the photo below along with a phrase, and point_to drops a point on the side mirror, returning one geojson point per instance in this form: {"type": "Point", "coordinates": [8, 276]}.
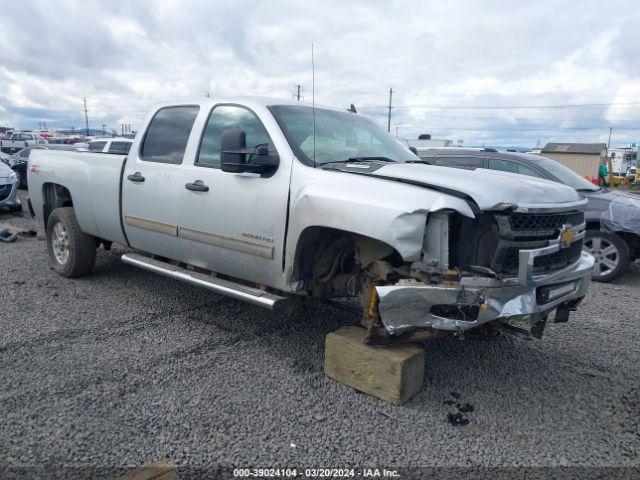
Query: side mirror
{"type": "Point", "coordinates": [414, 150]}
{"type": "Point", "coordinates": [235, 157]}
{"type": "Point", "coordinates": [232, 144]}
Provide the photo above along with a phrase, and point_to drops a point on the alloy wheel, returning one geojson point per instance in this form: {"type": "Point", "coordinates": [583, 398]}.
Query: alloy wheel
{"type": "Point", "coordinates": [60, 243]}
{"type": "Point", "coordinates": [605, 253]}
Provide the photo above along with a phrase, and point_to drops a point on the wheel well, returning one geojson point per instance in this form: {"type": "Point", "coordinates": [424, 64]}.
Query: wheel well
{"type": "Point", "coordinates": [55, 196]}
{"type": "Point", "coordinates": [319, 247]}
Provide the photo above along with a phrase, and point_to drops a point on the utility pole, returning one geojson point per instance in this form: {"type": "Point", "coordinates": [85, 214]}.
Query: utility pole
{"type": "Point", "coordinates": [396, 131]}
{"type": "Point", "coordinates": [86, 117]}
{"type": "Point", "coordinates": [389, 118]}
{"type": "Point", "coordinates": [104, 128]}
{"type": "Point", "coordinates": [298, 94]}
{"type": "Point", "coordinates": [609, 142]}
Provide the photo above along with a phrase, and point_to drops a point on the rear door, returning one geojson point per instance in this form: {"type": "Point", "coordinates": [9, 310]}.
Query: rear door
{"type": "Point", "coordinates": [152, 183]}
{"type": "Point", "coordinates": [236, 226]}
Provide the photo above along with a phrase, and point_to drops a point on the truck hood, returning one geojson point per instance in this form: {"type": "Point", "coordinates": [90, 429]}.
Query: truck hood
{"type": "Point", "coordinates": [489, 189]}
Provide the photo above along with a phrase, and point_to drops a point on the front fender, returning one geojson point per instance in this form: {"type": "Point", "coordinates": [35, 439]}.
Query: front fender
{"type": "Point", "coordinates": [393, 213]}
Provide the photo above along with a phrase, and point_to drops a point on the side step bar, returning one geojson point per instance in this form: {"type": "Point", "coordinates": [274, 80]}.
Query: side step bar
{"type": "Point", "coordinates": [217, 285]}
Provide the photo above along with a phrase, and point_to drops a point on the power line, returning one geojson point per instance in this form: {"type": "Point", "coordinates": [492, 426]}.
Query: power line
{"type": "Point", "coordinates": [505, 107]}
{"type": "Point", "coordinates": [533, 129]}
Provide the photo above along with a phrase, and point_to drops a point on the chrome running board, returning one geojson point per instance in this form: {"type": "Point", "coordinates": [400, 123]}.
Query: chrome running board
{"type": "Point", "coordinates": [217, 285]}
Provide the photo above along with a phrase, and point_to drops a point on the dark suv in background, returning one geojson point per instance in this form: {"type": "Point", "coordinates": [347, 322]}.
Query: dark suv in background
{"type": "Point", "coordinates": [613, 215]}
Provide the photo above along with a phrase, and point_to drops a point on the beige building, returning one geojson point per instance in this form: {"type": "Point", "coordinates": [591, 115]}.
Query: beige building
{"type": "Point", "coordinates": [582, 158]}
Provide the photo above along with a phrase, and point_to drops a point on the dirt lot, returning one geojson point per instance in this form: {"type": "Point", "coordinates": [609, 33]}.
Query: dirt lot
{"type": "Point", "coordinates": [122, 367]}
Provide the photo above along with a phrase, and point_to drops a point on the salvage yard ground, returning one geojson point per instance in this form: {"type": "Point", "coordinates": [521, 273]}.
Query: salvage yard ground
{"type": "Point", "coordinates": [124, 367]}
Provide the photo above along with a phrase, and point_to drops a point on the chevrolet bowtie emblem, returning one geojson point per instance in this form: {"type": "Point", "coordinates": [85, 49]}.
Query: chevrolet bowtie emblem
{"type": "Point", "coordinates": [567, 234]}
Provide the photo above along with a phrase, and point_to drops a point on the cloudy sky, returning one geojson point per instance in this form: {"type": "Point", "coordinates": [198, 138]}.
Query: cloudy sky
{"type": "Point", "coordinates": [459, 69]}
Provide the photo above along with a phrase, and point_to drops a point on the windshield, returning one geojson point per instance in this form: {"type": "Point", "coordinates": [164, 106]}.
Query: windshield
{"type": "Point", "coordinates": [340, 136]}
{"type": "Point", "coordinates": [564, 174]}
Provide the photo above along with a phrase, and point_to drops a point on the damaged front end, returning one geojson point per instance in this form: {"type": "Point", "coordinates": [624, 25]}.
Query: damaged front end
{"type": "Point", "coordinates": [504, 268]}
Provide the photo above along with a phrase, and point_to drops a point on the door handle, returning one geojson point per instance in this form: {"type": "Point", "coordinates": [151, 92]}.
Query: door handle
{"type": "Point", "coordinates": [197, 186]}
{"type": "Point", "coordinates": [136, 177]}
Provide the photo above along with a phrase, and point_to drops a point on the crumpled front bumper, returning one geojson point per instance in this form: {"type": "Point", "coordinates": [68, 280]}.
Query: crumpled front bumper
{"type": "Point", "coordinates": [405, 307]}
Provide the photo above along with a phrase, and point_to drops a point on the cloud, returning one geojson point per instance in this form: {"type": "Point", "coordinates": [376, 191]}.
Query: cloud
{"type": "Point", "coordinates": [438, 56]}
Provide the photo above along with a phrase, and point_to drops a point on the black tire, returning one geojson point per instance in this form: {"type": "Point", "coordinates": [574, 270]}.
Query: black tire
{"type": "Point", "coordinates": [72, 252]}
{"type": "Point", "coordinates": [611, 253]}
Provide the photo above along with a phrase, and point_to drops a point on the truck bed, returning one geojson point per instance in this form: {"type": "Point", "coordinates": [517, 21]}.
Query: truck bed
{"type": "Point", "coordinates": [94, 181]}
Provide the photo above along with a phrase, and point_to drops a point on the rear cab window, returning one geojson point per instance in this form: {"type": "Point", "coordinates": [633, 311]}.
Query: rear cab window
{"type": "Point", "coordinates": [96, 146]}
{"type": "Point", "coordinates": [120, 148]}
{"type": "Point", "coordinates": [168, 134]}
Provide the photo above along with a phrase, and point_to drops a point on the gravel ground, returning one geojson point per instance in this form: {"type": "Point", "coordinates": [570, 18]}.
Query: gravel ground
{"type": "Point", "coordinates": [122, 367]}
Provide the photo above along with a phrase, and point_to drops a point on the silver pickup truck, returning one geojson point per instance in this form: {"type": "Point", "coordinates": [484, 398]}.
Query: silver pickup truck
{"type": "Point", "coordinates": [269, 201]}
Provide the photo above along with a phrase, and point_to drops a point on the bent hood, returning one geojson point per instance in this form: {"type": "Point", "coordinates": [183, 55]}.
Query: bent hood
{"type": "Point", "coordinates": [489, 189]}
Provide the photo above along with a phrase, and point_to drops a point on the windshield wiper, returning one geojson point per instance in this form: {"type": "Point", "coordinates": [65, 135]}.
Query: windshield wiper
{"type": "Point", "coordinates": [361, 159]}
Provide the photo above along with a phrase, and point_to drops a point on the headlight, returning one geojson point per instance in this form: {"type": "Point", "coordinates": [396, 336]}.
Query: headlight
{"type": "Point", "coordinates": [13, 176]}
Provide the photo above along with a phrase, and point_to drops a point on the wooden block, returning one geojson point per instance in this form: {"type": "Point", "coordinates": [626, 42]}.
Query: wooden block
{"type": "Point", "coordinates": [392, 373]}
{"type": "Point", "coordinates": [158, 470]}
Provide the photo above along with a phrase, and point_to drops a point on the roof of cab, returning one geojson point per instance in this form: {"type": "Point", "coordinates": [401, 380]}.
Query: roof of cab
{"type": "Point", "coordinates": [249, 101]}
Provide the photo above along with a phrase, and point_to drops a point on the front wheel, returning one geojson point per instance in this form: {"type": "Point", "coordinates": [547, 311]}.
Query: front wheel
{"type": "Point", "coordinates": [610, 252]}
{"type": "Point", "coordinates": [71, 251]}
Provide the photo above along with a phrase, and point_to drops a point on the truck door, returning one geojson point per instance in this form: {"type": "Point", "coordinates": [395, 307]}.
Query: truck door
{"type": "Point", "coordinates": [234, 223]}
{"type": "Point", "coordinates": [151, 184]}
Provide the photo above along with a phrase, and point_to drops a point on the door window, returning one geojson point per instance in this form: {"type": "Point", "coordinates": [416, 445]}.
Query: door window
{"type": "Point", "coordinates": [168, 133]}
{"type": "Point", "coordinates": [460, 162]}
{"type": "Point", "coordinates": [512, 167]}
{"type": "Point", "coordinates": [225, 117]}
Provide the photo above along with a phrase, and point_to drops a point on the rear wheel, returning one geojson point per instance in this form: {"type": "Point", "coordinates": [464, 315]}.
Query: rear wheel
{"type": "Point", "coordinates": [610, 252]}
{"type": "Point", "coordinates": [71, 251]}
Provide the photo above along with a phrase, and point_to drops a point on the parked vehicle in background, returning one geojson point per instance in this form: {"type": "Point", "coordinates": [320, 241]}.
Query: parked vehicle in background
{"type": "Point", "coordinates": [612, 216]}
{"type": "Point", "coordinates": [4, 158]}
{"type": "Point", "coordinates": [20, 140]}
{"type": "Point", "coordinates": [70, 140]}
{"type": "Point", "coordinates": [282, 200]}
{"type": "Point", "coordinates": [118, 146]}
{"type": "Point", "coordinates": [622, 159]}
{"type": "Point", "coordinates": [9, 189]}
{"type": "Point", "coordinates": [18, 161]}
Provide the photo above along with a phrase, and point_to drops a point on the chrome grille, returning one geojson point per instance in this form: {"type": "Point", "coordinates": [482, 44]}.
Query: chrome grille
{"type": "Point", "coordinates": [520, 231]}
